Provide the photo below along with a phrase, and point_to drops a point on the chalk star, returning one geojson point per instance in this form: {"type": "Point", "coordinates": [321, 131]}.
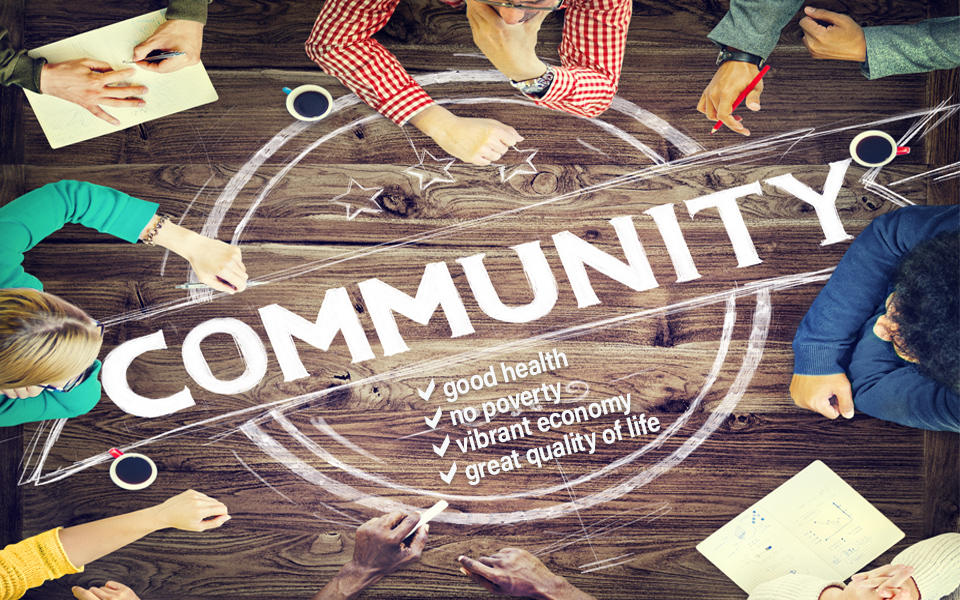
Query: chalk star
{"type": "Point", "coordinates": [436, 174]}
{"type": "Point", "coordinates": [519, 168]}
{"type": "Point", "coordinates": [359, 206]}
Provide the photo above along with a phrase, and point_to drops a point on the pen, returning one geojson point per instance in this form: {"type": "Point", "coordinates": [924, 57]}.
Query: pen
{"type": "Point", "coordinates": [156, 57]}
{"type": "Point", "coordinates": [743, 95]}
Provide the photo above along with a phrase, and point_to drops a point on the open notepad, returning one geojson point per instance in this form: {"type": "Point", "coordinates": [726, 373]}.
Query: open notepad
{"type": "Point", "coordinates": [66, 123]}
{"type": "Point", "coordinates": [815, 524]}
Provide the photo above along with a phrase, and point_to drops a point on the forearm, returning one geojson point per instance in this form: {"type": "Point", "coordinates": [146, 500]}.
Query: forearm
{"type": "Point", "coordinates": [754, 25]}
{"type": "Point", "coordinates": [86, 543]}
{"type": "Point", "coordinates": [169, 235]}
{"type": "Point", "coordinates": [341, 43]}
{"type": "Point", "coordinates": [16, 67]}
{"type": "Point", "coordinates": [564, 590]}
{"type": "Point", "coordinates": [916, 48]}
{"type": "Point", "coordinates": [587, 81]}
{"type": "Point", "coordinates": [347, 583]}
{"type": "Point", "coordinates": [190, 10]}
{"type": "Point", "coordinates": [433, 120]}
{"type": "Point", "coordinates": [859, 285]}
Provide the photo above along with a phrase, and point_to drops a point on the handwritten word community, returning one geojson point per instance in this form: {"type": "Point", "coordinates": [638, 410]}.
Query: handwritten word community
{"type": "Point", "coordinates": [337, 314]}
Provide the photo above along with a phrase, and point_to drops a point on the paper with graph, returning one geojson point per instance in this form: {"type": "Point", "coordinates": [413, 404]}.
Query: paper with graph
{"type": "Point", "coordinates": [66, 123]}
{"type": "Point", "coordinates": [814, 523]}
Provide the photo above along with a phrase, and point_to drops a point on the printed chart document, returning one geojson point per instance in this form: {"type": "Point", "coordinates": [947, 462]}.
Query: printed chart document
{"type": "Point", "coordinates": [66, 123]}
{"type": "Point", "coordinates": [815, 524]}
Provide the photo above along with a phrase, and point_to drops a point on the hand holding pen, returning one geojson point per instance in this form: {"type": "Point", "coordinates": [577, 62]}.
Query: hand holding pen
{"type": "Point", "coordinates": [178, 41]}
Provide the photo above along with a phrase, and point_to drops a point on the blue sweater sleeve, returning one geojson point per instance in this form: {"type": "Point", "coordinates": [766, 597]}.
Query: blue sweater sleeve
{"type": "Point", "coordinates": [859, 285]}
{"type": "Point", "coordinates": [24, 222]}
{"type": "Point", "coordinates": [887, 387]}
{"type": "Point", "coordinates": [52, 405]}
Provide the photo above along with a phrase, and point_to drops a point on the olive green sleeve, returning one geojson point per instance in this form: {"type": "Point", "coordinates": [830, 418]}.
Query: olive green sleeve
{"type": "Point", "coordinates": [16, 68]}
{"type": "Point", "coordinates": [190, 10]}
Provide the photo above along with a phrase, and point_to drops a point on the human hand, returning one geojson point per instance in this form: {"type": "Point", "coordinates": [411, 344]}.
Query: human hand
{"type": "Point", "coordinates": [91, 83]}
{"type": "Point", "coordinates": [889, 582]}
{"type": "Point", "coordinates": [216, 263]}
{"type": "Point", "coordinates": [731, 78]}
{"type": "Point", "coordinates": [111, 590]}
{"type": "Point", "coordinates": [176, 35]}
{"type": "Point", "coordinates": [472, 140]}
{"type": "Point", "coordinates": [31, 391]}
{"type": "Point", "coordinates": [813, 392]}
{"type": "Point", "coordinates": [516, 572]}
{"type": "Point", "coordinates": [379, 550]}
{"type": "Point", "coordinates": [191, 511]}
{"type": "Point", "coordinates": [511, 48]}
{"type": "Point", "coordinates": [840, 39]}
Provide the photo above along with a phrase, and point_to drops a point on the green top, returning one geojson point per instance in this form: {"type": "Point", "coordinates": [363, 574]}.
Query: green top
{"type": "Point", "coordinates": [16, 68]}
{"type": "Point", "coordinates": [754, 26]}
{"type": "Point", "coordinates": [24, 222]}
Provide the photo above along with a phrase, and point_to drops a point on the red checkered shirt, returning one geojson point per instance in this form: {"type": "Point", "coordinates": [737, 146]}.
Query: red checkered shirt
{"type": "Point", "coordinates": [591, 54]}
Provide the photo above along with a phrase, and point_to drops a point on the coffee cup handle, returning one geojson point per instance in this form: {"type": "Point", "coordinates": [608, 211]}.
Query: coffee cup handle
{"type": "Point", "coordinates": [901, 150]}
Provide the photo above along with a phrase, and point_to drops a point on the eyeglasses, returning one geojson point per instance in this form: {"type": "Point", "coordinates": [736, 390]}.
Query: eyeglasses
{"type": "Point", "coordinates": [522, 5]}
{"type": "Point", "coordinates": [68, 386]}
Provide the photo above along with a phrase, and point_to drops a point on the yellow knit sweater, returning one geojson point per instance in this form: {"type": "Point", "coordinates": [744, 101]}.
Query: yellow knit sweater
{"type": "Point", "coordinates": [29, 563]}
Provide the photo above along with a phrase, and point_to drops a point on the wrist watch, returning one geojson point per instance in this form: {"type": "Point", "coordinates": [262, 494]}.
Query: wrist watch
{"type": "Point", "coordinates": [727, 54]}
{"type": "Point", "coordinates": [536, 87]}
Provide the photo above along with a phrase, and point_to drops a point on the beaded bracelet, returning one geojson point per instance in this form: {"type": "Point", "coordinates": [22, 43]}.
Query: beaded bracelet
{"type": "Point", "coordinates": [148, 240]}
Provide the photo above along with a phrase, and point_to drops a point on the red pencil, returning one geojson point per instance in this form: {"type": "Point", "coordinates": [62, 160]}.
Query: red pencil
{"type": "Point", "coordinates": [743, 95]}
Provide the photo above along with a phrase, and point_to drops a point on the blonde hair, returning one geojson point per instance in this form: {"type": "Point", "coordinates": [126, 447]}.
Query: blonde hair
{"type": "Point", "coordinates": [43, 339]}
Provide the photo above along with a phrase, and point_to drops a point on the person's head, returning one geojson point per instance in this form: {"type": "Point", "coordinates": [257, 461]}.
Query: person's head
{"type": "Point", "coordinates": [44, 340]}
{"type": "Point", "coordinates": [521, 11]}
{"type": "Point", "coordinates": [923, 312]}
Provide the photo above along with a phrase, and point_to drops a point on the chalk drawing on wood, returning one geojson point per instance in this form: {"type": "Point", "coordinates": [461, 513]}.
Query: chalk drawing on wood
{"type": "Point", "coordinates": [359, 201]}
{"type": "Point", "coordinates": [275, 411]}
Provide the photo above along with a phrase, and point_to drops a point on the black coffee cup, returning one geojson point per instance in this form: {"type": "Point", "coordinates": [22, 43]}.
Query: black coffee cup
{"type": "Point", "coordinates": [875, 148]}
{"type": "Point", "coordinates": [308, 102]}
{"type": "Point", "coordinates": [132, 471]}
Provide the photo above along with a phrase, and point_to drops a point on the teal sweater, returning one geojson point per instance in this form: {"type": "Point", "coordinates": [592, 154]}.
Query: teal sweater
{"type": "Point", "coordinates": [24, 222]}
{"type": "Point", "coordinates": [754, 26]}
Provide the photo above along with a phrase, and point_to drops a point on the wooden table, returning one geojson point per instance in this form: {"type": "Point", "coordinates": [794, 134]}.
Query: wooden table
{"type": "Point", "coordinates": [355, 199]}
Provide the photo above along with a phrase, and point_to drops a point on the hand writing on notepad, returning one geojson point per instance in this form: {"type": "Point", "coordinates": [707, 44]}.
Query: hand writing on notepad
{"type": "Point", "coordinates": [176, 35]}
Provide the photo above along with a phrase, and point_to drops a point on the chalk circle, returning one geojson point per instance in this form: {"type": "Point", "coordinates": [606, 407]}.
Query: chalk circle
{"type": "Point", "coordinates": [749, 364]}
{"type": "Point", "coordinates": [274, 449]}
{"type": "Point", "coordinates": [309, 102]}
{"type": "Point", "coordinates": [133, 471]}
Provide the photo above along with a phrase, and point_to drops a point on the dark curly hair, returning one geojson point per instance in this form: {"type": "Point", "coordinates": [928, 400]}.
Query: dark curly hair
{"type": "Point", "coordinates": [926, 309]}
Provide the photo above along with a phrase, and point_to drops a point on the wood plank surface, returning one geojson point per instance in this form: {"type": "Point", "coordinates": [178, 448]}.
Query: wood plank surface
{"type": "Point", "coordinates": [290, 207]}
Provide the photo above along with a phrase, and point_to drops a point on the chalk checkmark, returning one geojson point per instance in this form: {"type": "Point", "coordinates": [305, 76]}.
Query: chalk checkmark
{"type": "Point", "coordinates": [448, 476]}
{"type": "Point", "coordinates": [429, 391]}
{"type": "Point", "coordinates": [436, 419]}
{"type": "Point", "coordinates": [443, 447]}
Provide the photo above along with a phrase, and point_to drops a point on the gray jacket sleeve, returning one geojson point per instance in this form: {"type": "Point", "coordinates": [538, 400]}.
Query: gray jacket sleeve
{"type": "Point", "coordinates": [917, 48]}
{"type": "Point", "coordinates": [754, 25]}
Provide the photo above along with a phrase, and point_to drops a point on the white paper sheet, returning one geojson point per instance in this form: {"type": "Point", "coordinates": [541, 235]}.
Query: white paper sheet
{"type": "Point", "coordinates": [815, 524]}
{"type": "Point", "coordinates": [66, 123]}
